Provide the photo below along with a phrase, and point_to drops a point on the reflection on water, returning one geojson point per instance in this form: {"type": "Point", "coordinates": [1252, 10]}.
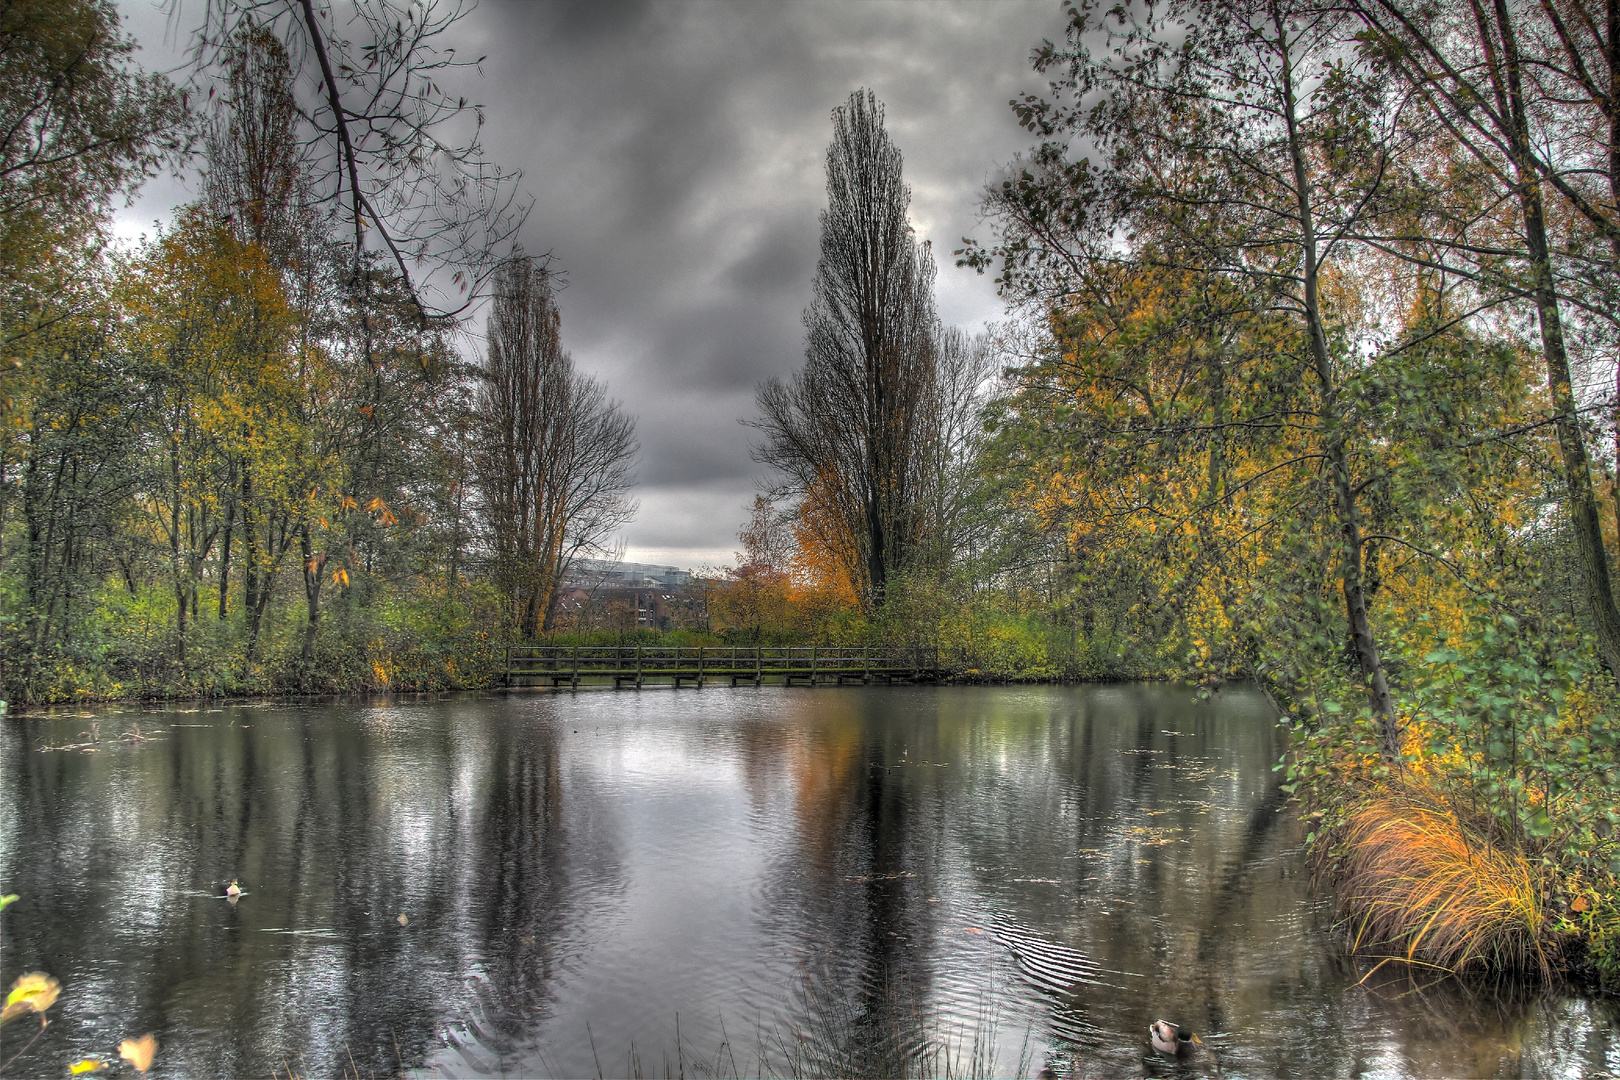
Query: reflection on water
{"type": "Point", "coordinates": [743, 882]}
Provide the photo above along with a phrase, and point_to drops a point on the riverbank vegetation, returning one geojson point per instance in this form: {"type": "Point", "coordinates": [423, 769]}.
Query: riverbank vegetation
{"type": "Point", "coordinates": [1308, 377]}
{"type": "Point", "coordinates": [1320, 320]}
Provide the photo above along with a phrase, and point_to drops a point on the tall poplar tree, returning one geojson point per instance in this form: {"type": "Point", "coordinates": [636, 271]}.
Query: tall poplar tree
{"type": "Point", "coordinates": [855, 428]}
{"type": "Point", "coordinates": [555, 455]}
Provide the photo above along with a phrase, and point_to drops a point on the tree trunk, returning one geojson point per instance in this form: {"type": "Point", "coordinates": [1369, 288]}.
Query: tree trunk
{"type": "Point", "coordinates": [250, 571]}
{"type": "Point", "coordinates": [225, 567]}
{"type": "Point", "coordinates": [528, 620]}
{"type": "Point", "coordinates": [314, 565]}
{"type": "Point", "coordinates": [1351, 565]}
{"type": "Point", "coordinates": [179, 580]}
{"type": "Point", "coordinates": [1583, 508]}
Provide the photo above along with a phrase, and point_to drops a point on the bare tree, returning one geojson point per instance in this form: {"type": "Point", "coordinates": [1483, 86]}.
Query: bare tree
{"type": "Point", "coordinates": [766, 537]}
{"type": "Point", "coordinates": [856, 424]}
{"type": "Point", "coordinates": [554, 463]}
{"type": "Point", "coordinates": [256, 177]}
{"type": "Point", "coordinates": [963, 367]}
{"type": "Point", "coordinates": [391, 148]}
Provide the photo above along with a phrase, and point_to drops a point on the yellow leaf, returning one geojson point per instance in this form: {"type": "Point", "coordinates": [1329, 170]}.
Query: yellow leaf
{"type": "Point", "coordinates": [34, 992]}
{"type": "Point", "coordinates": [403, 919]}
{"type": "Point", "coordinates": [1580, 904]}
{"type": "Point", "coordinates": [86, 1065]}
{"type": "Point", "coordinates": [139, 1052]}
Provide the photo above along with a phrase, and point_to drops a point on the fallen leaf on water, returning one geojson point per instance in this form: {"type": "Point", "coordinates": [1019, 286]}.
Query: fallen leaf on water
{"type": "Point", "coordinates": [34, 992]}
{"type": "Point", "coordinates": [139, 1052]}
{"type": "Point", "coordinates": [86, 1065]}
{"type": "Point", "coordinates": [403, 920]}
{"type": "Point", "coordinates": [971, 930]}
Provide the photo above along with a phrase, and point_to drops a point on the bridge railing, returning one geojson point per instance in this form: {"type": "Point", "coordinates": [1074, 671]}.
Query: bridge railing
{"type": "Point", "coordinates": [653, 661]}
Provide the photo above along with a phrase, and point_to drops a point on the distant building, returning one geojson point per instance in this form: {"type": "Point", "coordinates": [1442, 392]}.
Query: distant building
{"type": "Point", "coordinates": [601, 595]}
{"type": "Point", "coordinates": [598, 573]}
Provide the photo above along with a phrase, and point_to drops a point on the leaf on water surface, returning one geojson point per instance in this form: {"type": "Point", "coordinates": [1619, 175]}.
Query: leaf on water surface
{"type": "Point", "coordinates": [86, 1065]}
{"type": "Point", "coordinates": [7, 900]}
{"type": "Point", "coordinates": [34, 992]}
{"type": "Point", "coordinates": [403, 919]}
{"type": "Point", "coordinates": [139, 1052]}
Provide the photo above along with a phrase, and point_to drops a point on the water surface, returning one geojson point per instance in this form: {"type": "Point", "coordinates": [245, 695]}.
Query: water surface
{"type": "Point", "coordinates": [750, 881]}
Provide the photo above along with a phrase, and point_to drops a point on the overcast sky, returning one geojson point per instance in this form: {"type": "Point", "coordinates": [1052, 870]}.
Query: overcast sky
{"type": "Point", "coordinates": [674, 151]}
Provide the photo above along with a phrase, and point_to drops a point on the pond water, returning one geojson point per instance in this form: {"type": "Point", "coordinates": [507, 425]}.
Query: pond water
{"type": "Point", "coordinates": [735, 882]}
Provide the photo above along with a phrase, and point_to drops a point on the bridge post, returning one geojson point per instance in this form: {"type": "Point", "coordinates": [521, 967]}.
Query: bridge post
{"type": "Point", "coordinates": [701, 650]}
{"type": "Point", "coordinates": [812, 665]}
{"type": "Point", "coordinates": [574, 682]}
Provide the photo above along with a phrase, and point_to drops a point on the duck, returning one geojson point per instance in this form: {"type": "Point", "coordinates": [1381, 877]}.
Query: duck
{"type": "Point", "coordinates": [233, 890]}
{"type": "Point", "coordinates": [1172, 1039]}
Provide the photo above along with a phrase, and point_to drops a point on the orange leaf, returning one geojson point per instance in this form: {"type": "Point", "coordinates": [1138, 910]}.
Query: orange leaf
{"type": "Point", "coordinates": [139, 1052]}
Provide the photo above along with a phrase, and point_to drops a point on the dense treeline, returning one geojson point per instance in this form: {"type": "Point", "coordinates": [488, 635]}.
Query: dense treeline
{"type": "Point", "coordinates": [247, 454]}
{"type": "Point", "coordinates": [1309, 379]}
{"type": "Point", "coordinates": [1322, 311]}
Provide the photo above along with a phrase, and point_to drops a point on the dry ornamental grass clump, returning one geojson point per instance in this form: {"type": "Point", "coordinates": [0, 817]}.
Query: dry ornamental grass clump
{"type": "Point", "coordinates": [1419, 884]}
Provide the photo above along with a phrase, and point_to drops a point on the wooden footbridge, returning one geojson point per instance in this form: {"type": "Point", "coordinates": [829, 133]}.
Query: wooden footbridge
{"type": "Point", "coordinates": [640, 665]}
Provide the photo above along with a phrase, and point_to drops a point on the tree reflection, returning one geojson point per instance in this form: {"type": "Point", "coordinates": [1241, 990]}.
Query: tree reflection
{"type": "Point", "coordinates": [815, 882]}
{"type": "Point", "coordinates": [335, 823]}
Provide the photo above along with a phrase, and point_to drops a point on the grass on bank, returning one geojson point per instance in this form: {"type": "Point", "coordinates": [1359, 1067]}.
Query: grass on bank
{"type": "Point", "coordinates": [1418, 883]}
{"type": "Point", "coordinates": [1493, 843]}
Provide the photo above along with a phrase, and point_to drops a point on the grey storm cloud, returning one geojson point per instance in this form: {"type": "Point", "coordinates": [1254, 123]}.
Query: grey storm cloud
{"type": "Point", "coordinates": [674, 152]}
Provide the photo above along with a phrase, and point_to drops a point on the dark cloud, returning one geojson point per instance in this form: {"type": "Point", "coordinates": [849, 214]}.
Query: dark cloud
{"type": "Point", "coordinates": [587, 23]}
{"type": "Point", "coordinates": [675, 150]}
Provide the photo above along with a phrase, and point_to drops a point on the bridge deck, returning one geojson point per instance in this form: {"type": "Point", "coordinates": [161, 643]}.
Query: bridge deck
{"type": "Point", "coordinates": [558, 665]}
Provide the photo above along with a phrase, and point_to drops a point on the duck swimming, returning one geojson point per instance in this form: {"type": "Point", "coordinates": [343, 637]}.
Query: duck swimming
{"type": "Point", "coordinates": [1172, 1039]}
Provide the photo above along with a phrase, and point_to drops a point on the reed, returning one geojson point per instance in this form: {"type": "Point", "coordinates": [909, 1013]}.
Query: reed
{"type": "Point", "coordinates": [1419, 884]}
